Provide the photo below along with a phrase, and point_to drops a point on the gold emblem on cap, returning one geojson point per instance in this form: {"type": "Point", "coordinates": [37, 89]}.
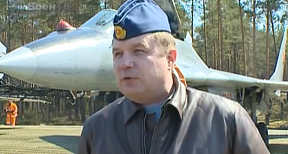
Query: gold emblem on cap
{"type": "Point", "coordinates": [120, 32]}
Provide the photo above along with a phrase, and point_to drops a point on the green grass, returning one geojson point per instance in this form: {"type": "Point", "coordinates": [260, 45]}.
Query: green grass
{"type": "Point", "coordinates": [64, 140]}
{"type": "Point", "coordinates": [39, 139]}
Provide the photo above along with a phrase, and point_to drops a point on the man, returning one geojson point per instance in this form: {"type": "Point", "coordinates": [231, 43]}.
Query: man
{"type": "Point", "coordinates": [158, 114]}
{"type": "Point", "coordinates": [11, 110]}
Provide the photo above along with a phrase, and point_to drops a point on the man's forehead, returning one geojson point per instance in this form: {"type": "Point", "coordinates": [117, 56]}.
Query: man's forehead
{"type": "Point", "coordinates": [142, 40]}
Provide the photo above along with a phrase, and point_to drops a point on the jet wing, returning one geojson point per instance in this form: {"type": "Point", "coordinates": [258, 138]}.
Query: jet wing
{"type": "Point", "coordinates": [273, 85]}
{"type": "Point", "coordinates": [213, 77]}
{"type": "Point", "coordinates": [25, 100]}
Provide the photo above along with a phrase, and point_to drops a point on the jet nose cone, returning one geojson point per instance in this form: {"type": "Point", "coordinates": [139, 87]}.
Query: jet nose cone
{"type": "Point", "coordinates": [20, 63]}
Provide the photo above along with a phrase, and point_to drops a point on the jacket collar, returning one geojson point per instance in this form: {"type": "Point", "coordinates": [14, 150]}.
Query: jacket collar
{"type": "Point", "coordinates": [177, 99]}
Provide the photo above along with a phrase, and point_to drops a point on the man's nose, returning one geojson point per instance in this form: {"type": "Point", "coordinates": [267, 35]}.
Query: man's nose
{"type": "Point", "coordinates": [126, 61]}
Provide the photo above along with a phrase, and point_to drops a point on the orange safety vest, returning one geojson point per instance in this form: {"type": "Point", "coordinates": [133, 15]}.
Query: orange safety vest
{"type": "Point", "coordinates": [181, 76]}
{"type": "Point", "coordinates": [13, 109]}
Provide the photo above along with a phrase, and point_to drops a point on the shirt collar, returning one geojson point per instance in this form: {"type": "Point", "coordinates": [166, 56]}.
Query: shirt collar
{"type": "Point", "coordinates": [177, 99]}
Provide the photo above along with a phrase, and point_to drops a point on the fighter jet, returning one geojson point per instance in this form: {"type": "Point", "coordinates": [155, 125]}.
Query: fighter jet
{"type": "Point", "coordinates": [81, 60]}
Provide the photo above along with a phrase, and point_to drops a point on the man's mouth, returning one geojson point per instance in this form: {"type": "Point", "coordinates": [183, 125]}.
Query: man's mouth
{"type": "Point", "coordinates": [127, 78]}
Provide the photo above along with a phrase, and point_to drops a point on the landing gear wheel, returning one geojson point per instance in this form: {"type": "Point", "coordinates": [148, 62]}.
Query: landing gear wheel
{"type": "Point", "coordinates": [263, 130]}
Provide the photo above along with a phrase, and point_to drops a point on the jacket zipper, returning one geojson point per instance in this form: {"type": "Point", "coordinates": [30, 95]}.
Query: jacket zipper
{"type": "Point", "coordinates": [144, 134]}
{"type": "Point", "coordinates": [154, 131]}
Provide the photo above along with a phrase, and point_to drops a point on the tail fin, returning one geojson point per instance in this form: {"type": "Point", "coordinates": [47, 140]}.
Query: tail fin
{"type": "Point", "coordinates": [188, 40]}
{"type": "Point", "coordinates": [2, 49]}
{"type": "Point", "coordinates": [281, 59]}
{"type": "Point", "coordinates": [2, 53]}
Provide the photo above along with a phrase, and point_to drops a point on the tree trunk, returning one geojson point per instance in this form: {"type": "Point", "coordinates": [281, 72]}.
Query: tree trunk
{"type": "Point", "coordinates": [77, 109]}
{"type": "Point", "coordinates": [220, 35]}
{"type": "Point", "coordinates": [243, 41]}
{"type": "Point", "coordinates": [235, 58]}
{"type": "Point", "coordinates": [254, 37]}
{"type": "Point", "coordinates": [267, 43]}
{"type": "Point", "coordinates": [205, 39]}
{"type": "Point", "coordinates": [273, 32]}
{"type": "Point", "coordinates": [229, 65]}
{"type": "Point", "coordinates": [91, 106]}
{"type": "Point", "coordinates": [76, 23]}
{"type": "Point", "coordinates": [192, 15]}
{"type": "Point", "coordinates": [215, 57]}
{"type": "Point", "coordinates": [82, 109]}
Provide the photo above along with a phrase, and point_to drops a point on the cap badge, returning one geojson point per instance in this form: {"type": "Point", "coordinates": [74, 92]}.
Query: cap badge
{"type": "Point", "coordinates": [120, 32]}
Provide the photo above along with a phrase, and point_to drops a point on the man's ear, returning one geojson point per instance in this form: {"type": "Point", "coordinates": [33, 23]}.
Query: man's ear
{"type": "Point", "coordinates": [172, 55]}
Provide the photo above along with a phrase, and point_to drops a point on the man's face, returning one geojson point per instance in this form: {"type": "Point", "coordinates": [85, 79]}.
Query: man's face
{"type": "Point", "coordinates": [140, 67]}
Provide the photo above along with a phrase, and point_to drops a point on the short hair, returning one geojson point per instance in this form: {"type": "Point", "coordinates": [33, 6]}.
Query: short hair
{"type": "Point", "coordinates": [166, 42]}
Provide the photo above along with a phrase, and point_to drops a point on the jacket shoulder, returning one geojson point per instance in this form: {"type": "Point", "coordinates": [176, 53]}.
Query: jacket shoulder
{"type": "Point", "coordinates": [95, 125]}
{"type": "Point", "coordinates": [210, 101]}
{"type": "Point", "coordinates": [103, 113]}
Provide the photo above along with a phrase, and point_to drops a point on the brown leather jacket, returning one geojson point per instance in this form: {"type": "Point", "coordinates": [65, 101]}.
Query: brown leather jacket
{"type": "Point", "coordinates": [192, 122]}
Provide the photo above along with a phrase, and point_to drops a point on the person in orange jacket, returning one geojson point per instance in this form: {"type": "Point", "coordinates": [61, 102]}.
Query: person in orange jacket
{"type": "Point", "coordinates": [11, 110]}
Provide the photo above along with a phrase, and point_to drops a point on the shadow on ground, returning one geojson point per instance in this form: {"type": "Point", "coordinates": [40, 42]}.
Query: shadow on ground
{"type": "Point", "coordinates": [278, 148]}
{"type": "Point", "coordinates": [69, 143]}
{"type": "Point", "coordinates": [7, 128]}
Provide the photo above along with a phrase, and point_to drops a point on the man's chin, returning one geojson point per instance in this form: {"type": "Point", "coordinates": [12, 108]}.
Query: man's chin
{"type": "Point", "coordinates": [131, 92]}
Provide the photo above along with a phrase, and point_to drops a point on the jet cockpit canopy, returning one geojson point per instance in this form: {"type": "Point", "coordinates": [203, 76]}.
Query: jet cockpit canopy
{"type": "Point", "coordinates": [102, 21]}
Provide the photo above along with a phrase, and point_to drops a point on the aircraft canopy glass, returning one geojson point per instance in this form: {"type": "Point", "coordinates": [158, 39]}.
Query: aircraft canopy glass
{"type": "Point", "coordinates": [102, 21]}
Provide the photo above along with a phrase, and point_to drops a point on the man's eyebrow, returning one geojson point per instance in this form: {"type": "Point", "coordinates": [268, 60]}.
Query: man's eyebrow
{"type": "Point", "coordinates": [114, 50]}
{"type": "Point", "coordinates": [136, 45]}
{"type": "Point", "coordinates": [140, 44]}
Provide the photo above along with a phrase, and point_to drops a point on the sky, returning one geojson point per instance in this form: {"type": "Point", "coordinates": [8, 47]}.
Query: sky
{"type": "Point", "coordinates": [187, 8]}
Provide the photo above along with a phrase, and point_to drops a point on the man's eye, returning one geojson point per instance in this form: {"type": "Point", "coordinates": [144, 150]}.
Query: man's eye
{"type": "Point", "coordinates": [139, 50]}
{"type": "Point", "coordinates": [117, 54]}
